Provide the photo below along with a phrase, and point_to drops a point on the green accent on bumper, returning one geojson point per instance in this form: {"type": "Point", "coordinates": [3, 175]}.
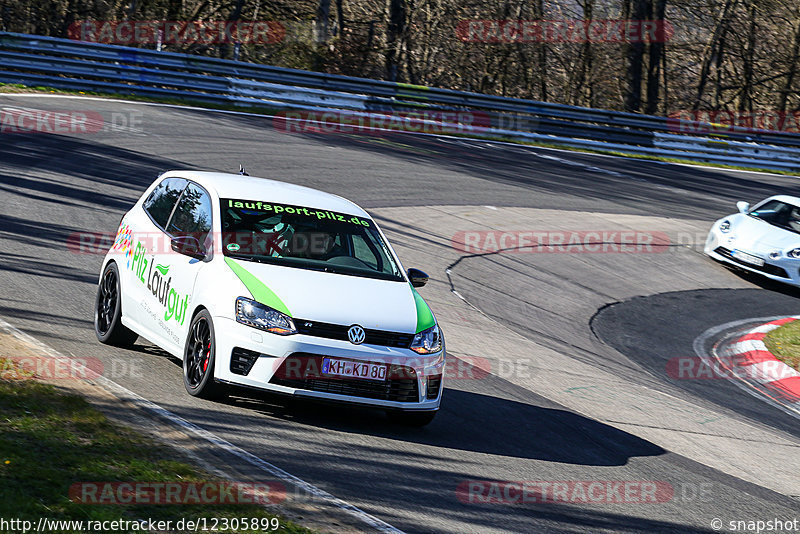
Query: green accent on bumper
{"type": "Point", "coordinates": [256, 287]}
{"type": "Point", "coordinates": [425, 318]}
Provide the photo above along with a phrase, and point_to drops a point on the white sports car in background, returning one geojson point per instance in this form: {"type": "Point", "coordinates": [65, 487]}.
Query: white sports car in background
{"type": "Point", "coordinates": [764, 239]}
{"type": "Point", "coordinates": [271, 286]}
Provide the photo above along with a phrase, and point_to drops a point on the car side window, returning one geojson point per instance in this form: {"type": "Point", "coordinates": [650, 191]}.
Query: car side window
{"type": "Point", "coordinates": [161, 201]}
{"type": "Point", "coordinates": [192, 216]}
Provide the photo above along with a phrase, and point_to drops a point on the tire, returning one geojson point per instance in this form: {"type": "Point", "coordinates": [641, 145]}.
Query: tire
{"type": "Point", "coordinates": [108, 325]}
{"type": "Point", "coordinates": [417, 419]}
{"type": "Point", "coordinates": [199, 359]}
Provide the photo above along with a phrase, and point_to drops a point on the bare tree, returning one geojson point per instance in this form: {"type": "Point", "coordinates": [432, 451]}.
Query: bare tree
{"type": "Point", "coordinates": [396, 30]}
{"type": "Point", "coordinates": [656, 57]}
{"type": "Point", "coordinates": [635, 56]}
{"type": "Point", "coordinates": [322, 21]}
{"type": "Point", "coordinates": [714, 50]}
{"type": "Point", "coordinates": [794, 58]}
{"type": "Point", "coordinates": [541, 53]}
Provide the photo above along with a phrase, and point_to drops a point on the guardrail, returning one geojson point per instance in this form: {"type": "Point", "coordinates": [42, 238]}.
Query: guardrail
{"type": "Point", "coordinates": [76, 65]}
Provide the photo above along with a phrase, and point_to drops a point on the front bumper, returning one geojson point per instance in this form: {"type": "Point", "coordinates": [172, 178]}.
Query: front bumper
{"type": "Point", "coordinates": [291, 365]}
{"type": "Point", "coordinates": [782, 269]}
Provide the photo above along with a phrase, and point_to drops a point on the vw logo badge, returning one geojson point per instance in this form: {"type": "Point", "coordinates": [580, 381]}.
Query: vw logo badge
{"type": "Point", "coordinates": [356, 335]}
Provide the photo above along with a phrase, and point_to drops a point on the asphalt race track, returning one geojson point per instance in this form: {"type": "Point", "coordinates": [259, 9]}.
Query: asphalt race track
{"type": "Point", "coordinates": [577, 343]}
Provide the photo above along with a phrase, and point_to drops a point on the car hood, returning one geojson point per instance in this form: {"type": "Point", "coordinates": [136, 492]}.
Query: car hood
{"type": "Point", "coordinates": [751, 234]}
{"type": "Point", "coordinates": [334, 298]}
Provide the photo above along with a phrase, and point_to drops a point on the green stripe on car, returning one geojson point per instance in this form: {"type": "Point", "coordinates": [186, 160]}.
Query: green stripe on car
{"type": "Point", "coordinates": [257, 288]}
{"type": "Point", "coordinates": [425, 318]}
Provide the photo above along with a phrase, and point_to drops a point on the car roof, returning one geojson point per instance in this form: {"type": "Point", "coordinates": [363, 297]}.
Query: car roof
{"type": "Point", "coordinates": [237, 186]}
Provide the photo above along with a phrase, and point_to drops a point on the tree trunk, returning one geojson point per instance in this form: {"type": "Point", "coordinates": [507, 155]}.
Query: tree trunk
{"type": "Point", "coordinates": [666, 84]}
{"type": "Point", "coordinates": [174, 9]}
{"type": "Point", "coordinates": [657, 52]}
{"type": "Point", "coordinates": [633, 77]}
{"type": "Point", "coordinates": [576, 98]}
{"type": "Point", "coordinates": [746, 94]}
{"type": "Point", "coordinates": [132, 9]}
{"type": "Point", "coordinates": [541, 52]}
{"type": "Point", "coordinates": [793, 60]}
{"type": "Point", "coordinates": [396, 28]}
{"type": "Point", "coordinates": [226, 49]}
{"type": "Point", "coordinates": [340, 16]}
{"type": "Point", "coordinates": [322, 22]}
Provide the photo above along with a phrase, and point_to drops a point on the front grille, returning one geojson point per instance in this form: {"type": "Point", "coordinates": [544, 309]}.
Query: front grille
{"type": "Point", "coordinates": [434, 383]}
{"type": "Point", "coordinates": [336, 331]}
{"type": "Point", "coordinates": [243, 360]}
{"type": "Point", "coordinates": [302, 371]}
{"type": "Point", "coordinates": [774, 270]}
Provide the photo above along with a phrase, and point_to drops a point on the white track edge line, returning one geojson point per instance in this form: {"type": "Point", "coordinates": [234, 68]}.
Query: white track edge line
{"type": "Point", "coordinates": [698, 344]}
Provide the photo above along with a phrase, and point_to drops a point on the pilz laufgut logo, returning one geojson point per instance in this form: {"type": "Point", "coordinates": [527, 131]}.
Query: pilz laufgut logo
{"type": "Point", "coordinates": [123, 242]}
{"type": "Point", "coordinates": [158, 283]}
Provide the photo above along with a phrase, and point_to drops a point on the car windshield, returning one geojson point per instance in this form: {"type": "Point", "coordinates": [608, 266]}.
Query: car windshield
{"type": "Point", "coordinates": [780, 214]}
{"type": "Point", "coordinates": [305, 238]}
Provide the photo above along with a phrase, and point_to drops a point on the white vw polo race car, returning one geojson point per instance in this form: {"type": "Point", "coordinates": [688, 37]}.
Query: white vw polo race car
{"type": "Point", "coordinates": [274, 286]}
{"type": "Point", "coordinates": [764, 239]}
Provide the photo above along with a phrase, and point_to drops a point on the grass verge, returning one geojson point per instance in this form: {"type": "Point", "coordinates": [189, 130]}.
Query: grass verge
{"type": "Point", "coordinates": [784, 343]}
{"type": "Point", "coordinates": [50, 440]}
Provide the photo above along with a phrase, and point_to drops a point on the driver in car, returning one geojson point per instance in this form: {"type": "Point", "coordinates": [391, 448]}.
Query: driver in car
{"type": "Point", "coordinates": [793, 219]}
{"type": "Point", "coordinates": [313, 245]}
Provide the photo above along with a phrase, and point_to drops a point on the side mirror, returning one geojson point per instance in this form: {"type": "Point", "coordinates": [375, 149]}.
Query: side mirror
{"type": "Point", "coordinates": [188, 246]}
{"type": "Point", "coordinates": [743, 206]}
{"type": "Point", "coordinates": [417, 277]}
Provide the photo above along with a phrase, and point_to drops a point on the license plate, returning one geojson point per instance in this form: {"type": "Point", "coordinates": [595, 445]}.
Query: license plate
{"type": "Point", "coordinates": [749, 258]}
{"type": "Point", "coordinates": [351, 369]}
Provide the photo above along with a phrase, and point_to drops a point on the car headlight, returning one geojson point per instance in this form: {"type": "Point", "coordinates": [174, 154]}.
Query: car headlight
{"type": "Point", "coordinates": [794, 253]}
{"type": "Point", "coordinates": [725, 226]}
{"type": "Point", "coordinates": [257, 315]}
{"type": "Point", "coordinates": [428, 341]}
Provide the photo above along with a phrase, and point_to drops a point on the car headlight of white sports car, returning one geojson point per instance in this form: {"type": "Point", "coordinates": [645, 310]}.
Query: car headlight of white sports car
{"type": "Point", "coordinates": [725, 226]}
{"type": "Point", "coordinates": [794, 253]}
{"type": "Point", "coordinates": [257, 315]}
{"type": "Point", "coordinates": [428, 341]}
